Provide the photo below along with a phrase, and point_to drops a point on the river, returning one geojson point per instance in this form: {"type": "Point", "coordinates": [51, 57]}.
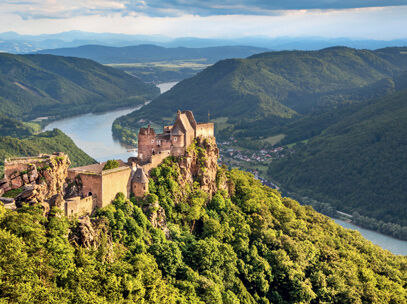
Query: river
{"type": "Point", "coordinates": [93, 134]}
{"type": "Point", "coordinates": [394, 245]}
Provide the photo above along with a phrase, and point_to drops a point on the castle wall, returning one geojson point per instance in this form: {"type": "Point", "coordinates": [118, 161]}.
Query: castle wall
{"type": "Point", "coordinates": [156, 160]}
{"type": "Point", "coordinates": [205, 129]}
{"type": "Point", "coordinates": [178, 151]}
{"type": "Point", "coordinates": [79, 206]}
{"type": "Point", "coordinates": [139, 189]}
{"type": "Point", "coordinates": [92, 184]}
{"type": "Point", "coordinates": [114, 181]}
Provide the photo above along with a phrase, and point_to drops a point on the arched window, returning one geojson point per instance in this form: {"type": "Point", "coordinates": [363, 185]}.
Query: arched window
{"type": "Point", "coordinates": [90, 194]}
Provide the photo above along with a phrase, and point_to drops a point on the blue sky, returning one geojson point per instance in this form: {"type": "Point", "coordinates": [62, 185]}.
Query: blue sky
{"type": "Point", "coordinates": [371, 19]}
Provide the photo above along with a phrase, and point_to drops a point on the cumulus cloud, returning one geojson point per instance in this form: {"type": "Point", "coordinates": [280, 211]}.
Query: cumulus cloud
{"type": "Point", "coordinates": [54, 9]}
{"type": "Point", "coordinates": [247, 7]}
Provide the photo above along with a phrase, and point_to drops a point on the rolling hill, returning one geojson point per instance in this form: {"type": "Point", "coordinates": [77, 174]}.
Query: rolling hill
{"type": "Point", "coordinates": [358, 163]}
{"type": "Point", "coordinates": [266, 90]}
{"type": "Point", "coordinates": [154, 53]}
{"type": "Point", "coordinates": [46, 142]}
{"type": "Point", "coordinates": [46, 85]}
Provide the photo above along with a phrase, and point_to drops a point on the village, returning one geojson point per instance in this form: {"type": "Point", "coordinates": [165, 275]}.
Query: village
{"type": "Point", "coordinates": [253, 161]}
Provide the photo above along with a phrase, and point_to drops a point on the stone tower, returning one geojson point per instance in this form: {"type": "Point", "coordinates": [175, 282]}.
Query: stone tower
{"type": "Point", "coordinates": [146, 143]}
{"type": "Point", "coordinates": [139, 183]}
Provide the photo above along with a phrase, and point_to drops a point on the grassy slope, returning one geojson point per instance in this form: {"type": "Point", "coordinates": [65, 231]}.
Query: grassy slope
{"type": "Point", "coordinates": [272, 86]}
{"type": "Point", "coordinates": [358, 163]}
{"type": "Point", "coordinates": [45, 85]}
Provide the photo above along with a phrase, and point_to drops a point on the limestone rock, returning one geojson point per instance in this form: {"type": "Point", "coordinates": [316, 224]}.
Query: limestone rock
{"type": "Point", "coordinates": [203, 168]}
{"type": "Point", "coordinates": [156, 216]}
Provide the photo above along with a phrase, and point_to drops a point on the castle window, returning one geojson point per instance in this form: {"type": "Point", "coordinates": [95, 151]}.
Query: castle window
{"type": "Point", "coordinates": [152, 141]}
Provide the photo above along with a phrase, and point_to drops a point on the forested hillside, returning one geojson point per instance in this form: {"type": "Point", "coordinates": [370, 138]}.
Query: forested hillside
{"type": "Point", "coordinates": [45, 85]}
{"type": "Point", "coordinates": [46, 142]}
{"type": "Point", "coordinates": [357, 164]}
{"type": "Point", "coordinates": [268, 89]}
{"type": "Point", "coordinates": [246, 244]}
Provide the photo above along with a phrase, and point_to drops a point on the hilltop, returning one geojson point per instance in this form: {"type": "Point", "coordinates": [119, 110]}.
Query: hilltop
{"type": "Point", "coordinates": [203, 234]}
{"type": "Point", "coordinates": [251, 96]}
{"type": "Point", "coordinates": [46, 85]}
{"type": "Point", "coordinates": [24, 139]}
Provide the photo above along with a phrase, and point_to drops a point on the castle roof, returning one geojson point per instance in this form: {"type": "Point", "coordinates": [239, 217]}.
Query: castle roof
{"type": "Point", "coordinates": [185, 122]}
{"type": "Point", "coordinates": [140, 177]}
{"type": "Point", "coordinates": [177, 131]}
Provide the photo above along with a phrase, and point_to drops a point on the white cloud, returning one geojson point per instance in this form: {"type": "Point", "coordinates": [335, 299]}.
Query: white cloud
{"type": "Point", "coordinates": [374, 23]}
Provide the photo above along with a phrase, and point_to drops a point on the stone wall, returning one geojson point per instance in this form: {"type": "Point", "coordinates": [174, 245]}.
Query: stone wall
{"type": "Point", "coordinates": [205, 129]}
{"type": "Point", "coordinates": [79, 206]}
{"type": "Point", "coordinates": [156, 160]}
{"type": "Point", "coordinates": [139, 189]}
{"type": "Point", "coordinates": [91, 186]}
{"type": "Point", "coordinates": [115, 181]}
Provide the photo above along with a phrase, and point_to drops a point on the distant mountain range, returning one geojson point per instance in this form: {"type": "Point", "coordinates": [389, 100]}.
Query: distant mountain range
{"type": "Point", "coordinates": [47, 85]}
{"type": "Point", "coordinates": [15, 43]}
{"type": "Point", "coordinates": [153, 53]}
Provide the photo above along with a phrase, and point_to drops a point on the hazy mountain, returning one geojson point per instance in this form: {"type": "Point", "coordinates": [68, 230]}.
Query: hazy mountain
{"type": "Point", "coordinates": [153, 53]}
{"type": "Point", "coordinates": [46, 85]}
{"type": "Point", "coordinates": [15, 43]}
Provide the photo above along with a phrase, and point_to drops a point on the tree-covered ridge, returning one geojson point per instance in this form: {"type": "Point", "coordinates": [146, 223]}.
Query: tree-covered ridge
{"type": "Point", "coordinates": [46, 85]}
{"type": "Point", "coordinates": [46, 142]}
{"type": "Point", "coordinates": [15, 128]}
{"type": "Point", "coordinates": [357, 164]}
{"type": "Point", "coordinates": [154, 53]}
{"type": "Point", "coordinates": [246, 244]}
{"type": "Point", "coordinates": [273, 86]}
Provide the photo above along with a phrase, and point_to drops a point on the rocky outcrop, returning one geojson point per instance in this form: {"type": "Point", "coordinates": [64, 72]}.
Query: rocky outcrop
{"type": "Point", "coordinates": [156, 215]}
{"type": "Point", "coordinates": [42, 179]}
{"type": "Point", "coordinates": [200, 163]}
{"type": "Point", "coordinates": [93, 234]}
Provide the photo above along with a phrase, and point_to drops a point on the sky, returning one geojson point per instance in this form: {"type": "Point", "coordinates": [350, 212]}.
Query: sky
{"type": "Point", "coordinates": [358, 19]}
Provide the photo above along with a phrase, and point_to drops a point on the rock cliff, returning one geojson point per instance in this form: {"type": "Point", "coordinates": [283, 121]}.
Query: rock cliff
{"type": "Point", "coordinates": [200, 163]}
{"type": "Point", "coordinates": [40, 180]}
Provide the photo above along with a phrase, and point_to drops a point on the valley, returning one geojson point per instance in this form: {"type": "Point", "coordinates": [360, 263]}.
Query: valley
{"type": "Point", "coordinates": [98, 142]}
{"type": "Point", "coordinates": [203, 152]}
{"type": "Point", "coordinates": [292, 100]}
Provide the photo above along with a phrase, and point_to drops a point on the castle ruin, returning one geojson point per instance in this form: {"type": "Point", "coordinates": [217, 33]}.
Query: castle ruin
{"type": "Point", "coordinates": [88, 187]}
